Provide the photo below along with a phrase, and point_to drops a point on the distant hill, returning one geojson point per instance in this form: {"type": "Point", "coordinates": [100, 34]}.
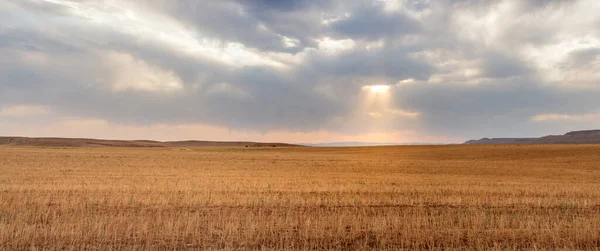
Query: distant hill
{"type": "Point", "coordinates": [75, 142]}
{"type": "Point", "coordinates": [340, 144]}
{"type": "Point", "coordinates": [575, 137]}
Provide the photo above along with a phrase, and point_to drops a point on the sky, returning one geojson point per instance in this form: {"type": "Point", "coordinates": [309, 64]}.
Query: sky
{"type": "Point", "coordinates": [299, 71]}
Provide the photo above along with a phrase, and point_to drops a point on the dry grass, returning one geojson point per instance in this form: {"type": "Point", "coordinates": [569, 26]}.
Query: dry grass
{"type": "Point", "coordinates": [413, 197]}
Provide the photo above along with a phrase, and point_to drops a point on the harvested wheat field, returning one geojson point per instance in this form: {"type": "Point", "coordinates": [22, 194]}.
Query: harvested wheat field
{"type": "Point", "coordinates": [406, 197]}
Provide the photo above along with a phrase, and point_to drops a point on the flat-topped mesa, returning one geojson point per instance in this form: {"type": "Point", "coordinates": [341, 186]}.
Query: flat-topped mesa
{"type": "Point", "coordinates": [585, 132]}
{"type": "Point", "coordinates": [574, 137]}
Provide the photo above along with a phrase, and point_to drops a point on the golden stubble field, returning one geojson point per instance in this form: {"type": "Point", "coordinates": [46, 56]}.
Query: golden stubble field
{"type": "Point", "coordinates": [407, 197]}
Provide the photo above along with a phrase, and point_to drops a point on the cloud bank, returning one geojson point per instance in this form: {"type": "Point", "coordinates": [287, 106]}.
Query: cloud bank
{"type": "Point", "coordinates": [254, 69]}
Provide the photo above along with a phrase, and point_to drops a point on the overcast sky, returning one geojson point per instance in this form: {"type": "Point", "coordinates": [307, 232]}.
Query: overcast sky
{"type": "Point", "coordinates": [299, 71]}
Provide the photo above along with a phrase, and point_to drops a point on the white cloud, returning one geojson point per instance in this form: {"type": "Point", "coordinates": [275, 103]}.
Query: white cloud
{"type": "Point", "coordinates": [390, 5]}
{"type": "Point", "coordinates": [375, 114]}
{"type": "Point", "coordinates": [375, 45]}
{"type": "Point", "coordinates": [403, 113]}
{"type": "Point", "coordinates": [24, 110]}
{"type": "Point", "coordinates": [566, 117]}
{"type": "Point", "coordinates": [137, 75]}
{"type": "Point", "coordinates": [394, 112]}
{"type": "Point", "coordinates": [406, 81]}
{"type": "Point", "coordinates": [290, 42]}
{"type": "Point", "coordinates": [334, 46]}
{"type": "Point", "coordinates": [541, 34]}
{"type": "Point", "coordinates": [121, 16]}
{"type": "Point", "coordinates": [227, 89]}
{"type": "Point", "coordinates": [331, 18]}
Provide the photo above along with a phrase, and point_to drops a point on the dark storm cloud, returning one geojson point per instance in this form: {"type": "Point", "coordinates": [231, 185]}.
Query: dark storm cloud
{"type": "Point", "coordinates": [71, 56]}
{"type": "Point", "coordinates": [494, 109]}
{"type": "Point", "coordinates": [370, 22]}
{"type": "Point", "coordinates": [582, 58]}
{"type": "Point", "coordinates": [545, 4]}
{"type": "Point", "coordinates": [269, 102]}
{"type": "Point", "coordinates": [497, 65]}
{"type": "Point", "coordinates": [273, 97]}
{"type": "Point", "coordinates": [388, 63]}
{"type": "Point", "coordinates": [78, 83]}
{"type": "Point", "coordinates": [31, 40]}
{"type": "Point", "coordinates": [262, 24]}
{"type": "Point", "coordinates": [282, 5]}
{"type": "Point", "coordinates": [258, 24]}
